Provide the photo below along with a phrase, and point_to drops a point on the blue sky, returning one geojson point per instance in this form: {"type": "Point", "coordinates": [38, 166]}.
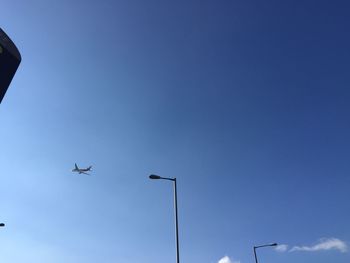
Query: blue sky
{"type": "Point", "coordinates": [245, 102]}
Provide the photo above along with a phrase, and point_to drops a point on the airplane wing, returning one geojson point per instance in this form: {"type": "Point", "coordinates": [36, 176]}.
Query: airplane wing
{"type": "Point", "coordinates": [10, 58]}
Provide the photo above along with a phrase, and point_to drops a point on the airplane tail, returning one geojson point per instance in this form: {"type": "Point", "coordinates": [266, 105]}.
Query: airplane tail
{"type": "Point", "coordinates": [89, 168]}
{"type": "Point", "coordinates": [76, 166]}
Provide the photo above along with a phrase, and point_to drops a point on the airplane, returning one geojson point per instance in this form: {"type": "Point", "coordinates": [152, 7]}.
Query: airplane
{"type": "Point", "coordinates": [82, 170]}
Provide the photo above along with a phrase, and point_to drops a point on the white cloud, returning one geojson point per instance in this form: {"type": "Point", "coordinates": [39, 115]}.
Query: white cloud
{"type": "Point", "coordinates": [282, 248]}
{"type": "Point", "coordinates": [226, 259]}
{"type": "Point", "coordinates": [324, 244]}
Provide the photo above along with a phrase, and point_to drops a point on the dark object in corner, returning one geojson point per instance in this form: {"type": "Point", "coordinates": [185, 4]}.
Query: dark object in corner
{"type": "Point", "coordinates": [10, 58]}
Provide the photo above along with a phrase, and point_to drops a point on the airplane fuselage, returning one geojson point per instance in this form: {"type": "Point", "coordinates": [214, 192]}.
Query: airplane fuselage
{"type": "Point", "coordinates": [81, 170]}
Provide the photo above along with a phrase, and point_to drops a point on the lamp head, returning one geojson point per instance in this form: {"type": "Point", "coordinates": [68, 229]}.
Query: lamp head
{"type": "Point", "coordinates": [153, 176]}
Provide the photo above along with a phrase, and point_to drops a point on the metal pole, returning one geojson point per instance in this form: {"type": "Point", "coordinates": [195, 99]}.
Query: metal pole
{"type": "Point", "coordinates": [256, 259]}
{"type": "Point", "coordinates": [176, 223]}
{"type": "Point", "coordinates": [153, 176]}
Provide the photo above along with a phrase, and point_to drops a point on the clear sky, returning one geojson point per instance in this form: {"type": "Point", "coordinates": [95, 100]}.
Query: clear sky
{"type": "Point", "coordinates": [245, 102]}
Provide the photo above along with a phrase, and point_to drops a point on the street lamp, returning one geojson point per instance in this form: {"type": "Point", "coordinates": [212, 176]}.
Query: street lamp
{"type": "Point", "coordinates": [267, 245]}
{"type": "Point", "coordinates": [156, 177]}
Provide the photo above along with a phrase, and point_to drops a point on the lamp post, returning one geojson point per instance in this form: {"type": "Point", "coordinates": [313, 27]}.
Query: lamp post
{"type": "Point", "coordinates": [267, 245]}
{"type": "Point", "coordinates": [153, 176]}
